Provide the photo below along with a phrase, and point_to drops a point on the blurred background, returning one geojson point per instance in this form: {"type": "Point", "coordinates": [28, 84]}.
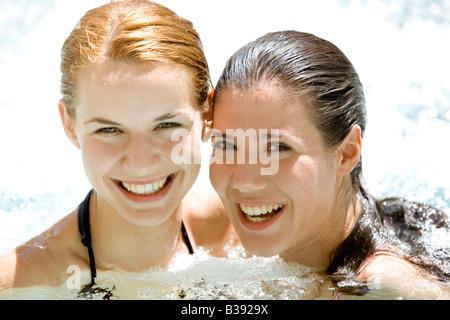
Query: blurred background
{"type": "Point", "coordinates": [400, 49]}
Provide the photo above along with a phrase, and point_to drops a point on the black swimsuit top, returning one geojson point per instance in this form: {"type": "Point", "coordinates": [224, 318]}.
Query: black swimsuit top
{"type": "Point", "coordinates": [85, 231]}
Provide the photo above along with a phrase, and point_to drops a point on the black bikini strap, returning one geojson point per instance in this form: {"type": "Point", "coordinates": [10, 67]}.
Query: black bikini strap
{"type": "Point", "coordinates": [85, 231]}
{"type": "Point", "coordinates": [186, 238]}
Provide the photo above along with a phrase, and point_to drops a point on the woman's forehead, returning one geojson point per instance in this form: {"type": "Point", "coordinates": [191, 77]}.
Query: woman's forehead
{"type": "Point", "coordinates": [265, 106]}
{"type": "Point", "coordinates": [268, 96]}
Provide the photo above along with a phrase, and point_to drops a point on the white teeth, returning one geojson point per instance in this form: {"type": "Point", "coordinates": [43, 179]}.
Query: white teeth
{"type": "Point", "coordinates": [256, 219]}
{"type": "Point", "coordinates": [145, 188]}
{"type": "Point", "coordinates": [257, 211]}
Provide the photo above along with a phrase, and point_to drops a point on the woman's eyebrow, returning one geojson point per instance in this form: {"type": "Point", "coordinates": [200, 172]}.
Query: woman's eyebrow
{"type": "Point", "coordinates": [274, 134]}
{"type": "Point", "coordinates": [160, 118]}
{"type": "Point", "coordinates": [102, 121]}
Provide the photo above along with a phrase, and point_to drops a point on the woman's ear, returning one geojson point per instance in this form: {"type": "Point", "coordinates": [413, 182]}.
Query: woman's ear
{"type": "Point", "coordinates": [68, 123]}
{"type": "Point", "coordinates": [208, 115]}
{"type": "Point", "coordinates": [350, 151]}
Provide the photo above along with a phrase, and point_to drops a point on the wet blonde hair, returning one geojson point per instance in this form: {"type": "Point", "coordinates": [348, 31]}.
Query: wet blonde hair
{"type": "Point", "coordinates": [134, 31]}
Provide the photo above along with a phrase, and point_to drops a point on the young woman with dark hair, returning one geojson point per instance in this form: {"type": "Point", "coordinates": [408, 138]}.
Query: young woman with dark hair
{"type": "Point", "coordinates": [315, 209]}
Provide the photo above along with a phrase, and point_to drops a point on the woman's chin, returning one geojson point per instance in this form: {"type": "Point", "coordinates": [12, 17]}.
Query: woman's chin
{"type": "Point", "coordinates": [149, 218]}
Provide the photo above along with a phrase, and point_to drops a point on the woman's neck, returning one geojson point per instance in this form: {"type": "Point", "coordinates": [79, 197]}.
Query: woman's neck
{"type": "Point", "coordinates": [120, 244]}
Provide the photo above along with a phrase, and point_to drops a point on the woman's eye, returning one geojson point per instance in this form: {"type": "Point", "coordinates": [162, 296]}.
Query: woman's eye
{"type": "Point", "coordinates": [277, 147]}
{"type": "Point", "coordinates": [224, 145]}
{"type": "Point", "coordinates": [169, 125]}
{"type": "Point", "coordinates": [108, 130]}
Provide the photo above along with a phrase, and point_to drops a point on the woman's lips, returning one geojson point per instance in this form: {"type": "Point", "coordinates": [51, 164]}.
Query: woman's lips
{"type": "Point", "coordinates": [259, 217]}
{"type": "Point", "coordinates": [146, 191]}
{"type": "Point", "coordinates": [260, 213]}
{"type": "Point", "coordinates": [144, 188]}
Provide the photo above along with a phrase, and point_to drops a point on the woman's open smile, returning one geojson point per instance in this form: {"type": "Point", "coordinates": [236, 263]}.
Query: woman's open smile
{"type": "Point", "coordinates": [255, 216]}
{"type": "Point", "coordinates": [146, 191]}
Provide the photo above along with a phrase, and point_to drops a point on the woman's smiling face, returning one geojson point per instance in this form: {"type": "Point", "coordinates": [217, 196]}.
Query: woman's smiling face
{"type": "Point", "coordinates": [125, 117]}
{"type": "Point", "coordinates": [293, 209]}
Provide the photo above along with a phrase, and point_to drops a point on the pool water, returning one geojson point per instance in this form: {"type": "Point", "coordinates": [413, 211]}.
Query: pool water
{"type": "Point", "coordinates": [201, 277]}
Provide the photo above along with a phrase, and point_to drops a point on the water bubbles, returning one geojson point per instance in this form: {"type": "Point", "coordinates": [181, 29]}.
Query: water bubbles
{"type": "Point", "coordinates": [201, 276]}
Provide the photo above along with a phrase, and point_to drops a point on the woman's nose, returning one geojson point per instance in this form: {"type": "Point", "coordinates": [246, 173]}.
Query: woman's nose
{"type": "Point", "coordinates": [247, 178]}
{"type": "Point", "coordinates": [141, 156]}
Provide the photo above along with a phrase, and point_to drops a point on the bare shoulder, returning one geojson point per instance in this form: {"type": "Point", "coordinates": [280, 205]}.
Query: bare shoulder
{"type": "Point", "coordinates": [7, 266]}
{"type": "Point", "coordinates": [27, 265]}
{"type": "Point", "coordinates": [403, 278]}
{"type": "Point", "coordinates": [42, 260]}
{"type": "Point", "coordinates": [207, 222]}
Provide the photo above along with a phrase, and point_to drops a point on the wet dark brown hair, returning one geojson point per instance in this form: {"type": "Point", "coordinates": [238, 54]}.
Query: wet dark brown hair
{"type": "Point", "coordinates": [307, 66]}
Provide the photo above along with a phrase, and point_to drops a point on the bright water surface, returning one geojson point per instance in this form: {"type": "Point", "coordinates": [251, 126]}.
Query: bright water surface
{"type": "Point", "coordinates": [201, 277]}
{"type": "Point", "coordinates": [400, 50]}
